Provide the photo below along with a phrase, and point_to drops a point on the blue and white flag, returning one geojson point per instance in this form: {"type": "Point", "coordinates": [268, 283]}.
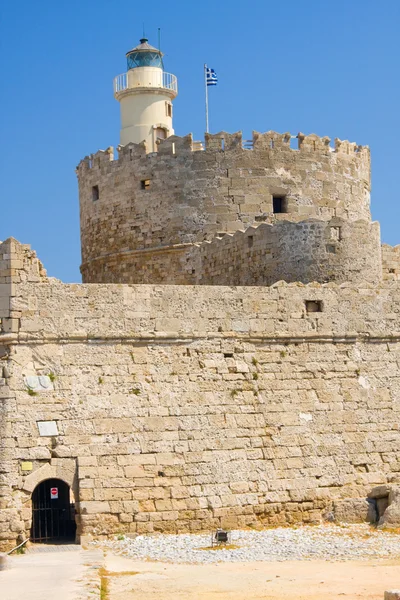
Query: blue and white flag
{"type": "Point", "coordinates": [211, 76]}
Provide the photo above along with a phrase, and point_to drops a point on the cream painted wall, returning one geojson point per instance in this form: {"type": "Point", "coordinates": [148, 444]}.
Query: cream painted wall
{"type": "Point", "coordinates": [140, 112]}
{"type": "Point", "coordinates": [145, 77]}
{"type": "Point", "coordinates": [142, 109]}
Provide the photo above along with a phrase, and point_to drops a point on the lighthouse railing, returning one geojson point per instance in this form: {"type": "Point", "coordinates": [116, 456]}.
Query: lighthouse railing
{"type": "Point", "coordinates": [168, 81]}
{"type": "Point", "coordinates": [121, 82]}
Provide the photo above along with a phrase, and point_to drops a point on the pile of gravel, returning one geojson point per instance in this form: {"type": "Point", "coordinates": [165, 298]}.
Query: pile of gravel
{"type": "Point", "coordinates": [324, 542]}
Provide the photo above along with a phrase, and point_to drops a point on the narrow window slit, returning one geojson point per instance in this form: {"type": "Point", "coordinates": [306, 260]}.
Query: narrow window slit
{"type": "Point", "coordinates": [279, 204]}
{"type": "Point", "coordinates": [95, 193]}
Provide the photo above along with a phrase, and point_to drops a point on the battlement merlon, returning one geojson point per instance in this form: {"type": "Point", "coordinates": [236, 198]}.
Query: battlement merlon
{"type": "Point", "coordinates": [18, 264]}
{"type": "Point", "coordinates": [233, 142]}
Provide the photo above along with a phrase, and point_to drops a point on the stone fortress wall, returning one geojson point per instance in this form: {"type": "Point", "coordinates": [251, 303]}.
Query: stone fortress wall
{"type": "Point", "coordinates": [190, 407]}
{"type": "Point", "coordinates": [235, 399]}
{"type": "Point", "coordinates": [141, 214]}
{"type": "Point", "coordinates": [391, 262]}
{"type": "Point", "coordinates": [307, 251]}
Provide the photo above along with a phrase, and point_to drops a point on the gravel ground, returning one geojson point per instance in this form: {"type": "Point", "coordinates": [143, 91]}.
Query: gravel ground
{"type": "Point", "coordinates": [326, 542]}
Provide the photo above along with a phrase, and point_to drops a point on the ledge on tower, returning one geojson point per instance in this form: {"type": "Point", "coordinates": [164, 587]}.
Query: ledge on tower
{"type": "Point", "coordinates": [233, 142]}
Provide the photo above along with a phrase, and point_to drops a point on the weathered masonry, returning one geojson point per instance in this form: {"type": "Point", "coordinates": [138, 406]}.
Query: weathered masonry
{"type": "Point", "coordinates": [170, 408]}
{"type": "Point", "coordinates": [148, 217]}
{"type": "Point", "coordinates": [232, 356]}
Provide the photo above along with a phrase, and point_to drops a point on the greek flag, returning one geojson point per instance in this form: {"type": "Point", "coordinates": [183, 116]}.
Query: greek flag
{"type": "Point", "coordinates": [211, 77]}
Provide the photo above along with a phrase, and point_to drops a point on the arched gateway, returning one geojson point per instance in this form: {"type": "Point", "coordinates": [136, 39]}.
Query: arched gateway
{"type": "Point", "coordinates": [53, 512]}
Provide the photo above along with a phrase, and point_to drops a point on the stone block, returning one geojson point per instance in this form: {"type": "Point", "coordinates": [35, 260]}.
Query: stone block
{"type": "Point", "coordinates": [93, 507]}
{"type": "Point", "coordinates": [163, 505]}
{"type": "Point", "coordinates": [354, 510]}
{"type": "Point", "coordinates": [171, 515]}
{"type": "Point", "coordinates": [381, 506]}
{"type": "Point", "coordinates": [135, 471]}
{"type": "Point", "coordinates": [391, 516]}
{"type": "Point", "coordinates": [380, 491]}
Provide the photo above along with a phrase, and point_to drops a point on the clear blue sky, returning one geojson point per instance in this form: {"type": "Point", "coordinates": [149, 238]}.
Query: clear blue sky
{"type": "Point", "coordinates": [316, 66]}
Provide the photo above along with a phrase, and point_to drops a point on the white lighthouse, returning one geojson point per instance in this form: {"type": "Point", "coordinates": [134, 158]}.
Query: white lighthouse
{"type": "Point", "coordinates": [145, 93]}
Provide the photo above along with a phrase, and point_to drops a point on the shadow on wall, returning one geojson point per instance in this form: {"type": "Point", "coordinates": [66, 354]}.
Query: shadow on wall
{"type": "Point", "coordinates": [308, 251]}
{"type": "Point", "coordinates": [381, 507]}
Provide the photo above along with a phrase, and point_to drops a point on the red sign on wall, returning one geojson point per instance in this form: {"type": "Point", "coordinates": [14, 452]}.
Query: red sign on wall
{"type": "Point", "coordinates": [54, 493]}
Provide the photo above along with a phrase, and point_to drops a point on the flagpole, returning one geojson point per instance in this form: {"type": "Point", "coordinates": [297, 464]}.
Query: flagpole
{"type": "Point", "coordinates": [205, 85]}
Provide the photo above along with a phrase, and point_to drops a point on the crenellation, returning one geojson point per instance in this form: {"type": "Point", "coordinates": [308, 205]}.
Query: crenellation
{"type": "Point", "coordinates": [101, 157]}
{"type": "Point", "coordinates": [213, 142]}
{"type": "Point", "coordinates": [177, 196]}
{"type": "Point", "coordinates": [271, 141]}
{"type": "Point", "coordinates": [346, 147]}
{"type": "Point", "coordinates": [175, 145]}
{"type": "Point", "coordinates": [225, 142]}
{"type": "Point", "coordinates": [132, 152]}
{"type": "Point", "coordinates": [314, 143]}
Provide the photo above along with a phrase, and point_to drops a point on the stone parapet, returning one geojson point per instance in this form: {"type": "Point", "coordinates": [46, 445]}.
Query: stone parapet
{"type": "Point", "coordinates": [307, 251]}
{"type": "Point", "coordinates": [391, 262]}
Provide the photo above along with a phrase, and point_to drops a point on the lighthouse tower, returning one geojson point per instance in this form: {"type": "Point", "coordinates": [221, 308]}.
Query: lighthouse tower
{"type": "Point", "coordinates": [145, 93]}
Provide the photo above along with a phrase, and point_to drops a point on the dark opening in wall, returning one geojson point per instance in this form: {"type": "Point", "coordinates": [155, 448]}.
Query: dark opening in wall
{"type": "Point", "coordinates": [330, 248]}
{"type": "Point", "coordinates": [392, 271]}
{"type": "Point", "coordinates": [95, 193]}
{"type": "Point", "coordinates": [161, 133]}
{"type": "Point", "coordinates": [228, 354]}
{"type": "Point", "coordinates": [279, 204]}
{"type": "Point", "coordinates": [313, 306]}
{"type": "Point", "coordinates": [250, 241]}
{"type": "Point", "coordinates": [145, 184]}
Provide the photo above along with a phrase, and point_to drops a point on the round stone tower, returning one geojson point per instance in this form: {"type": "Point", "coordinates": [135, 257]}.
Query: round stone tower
{"type": "Point", "coordinates": [157, 213]}
{"type": "Point", "coordinates": [145, 93]}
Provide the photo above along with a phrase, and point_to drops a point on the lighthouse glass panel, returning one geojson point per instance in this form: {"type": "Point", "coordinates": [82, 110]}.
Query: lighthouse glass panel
{"type": "Point", "coordinates": [144, 59]}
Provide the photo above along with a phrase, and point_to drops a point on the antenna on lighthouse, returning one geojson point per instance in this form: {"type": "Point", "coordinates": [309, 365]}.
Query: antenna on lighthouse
{"type": "Point", "coordinates": [159, 39]}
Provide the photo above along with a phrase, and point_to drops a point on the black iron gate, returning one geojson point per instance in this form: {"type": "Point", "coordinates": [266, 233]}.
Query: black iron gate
{"type": "Point", "coordinates": [53, 514]}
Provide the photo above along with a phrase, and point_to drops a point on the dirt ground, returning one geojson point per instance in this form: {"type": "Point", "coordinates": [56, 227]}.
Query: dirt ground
{"type": "Point", "coordinates": [291, 580]}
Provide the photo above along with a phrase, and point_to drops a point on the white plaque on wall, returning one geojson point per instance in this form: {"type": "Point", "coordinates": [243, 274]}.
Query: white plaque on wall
{"type": "Point", "coordinates": [39, 383]}
{"type": "Point", "coordinates": [47, 428]}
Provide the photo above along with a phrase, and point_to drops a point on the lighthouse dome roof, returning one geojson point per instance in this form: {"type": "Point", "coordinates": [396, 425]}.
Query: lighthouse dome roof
{"type": "Point", "coordinates": [144, 55]}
